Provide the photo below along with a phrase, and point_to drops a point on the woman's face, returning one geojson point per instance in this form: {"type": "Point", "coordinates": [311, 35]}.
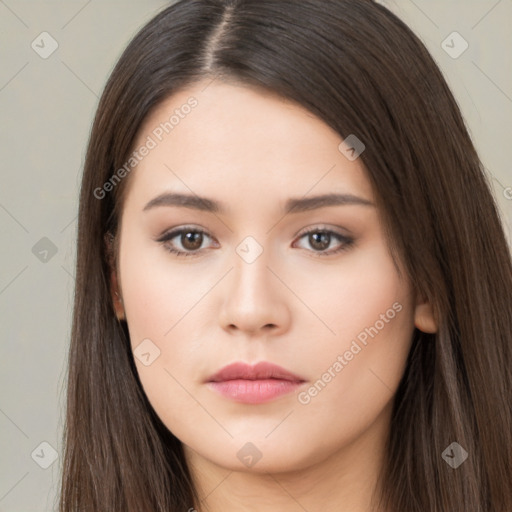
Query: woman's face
{"type": "Point", "coordinates": [312, 289]}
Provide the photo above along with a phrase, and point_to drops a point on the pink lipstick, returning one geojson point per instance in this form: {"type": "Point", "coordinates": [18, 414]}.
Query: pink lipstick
{"type": "Point", "coordinates": [256, 384]}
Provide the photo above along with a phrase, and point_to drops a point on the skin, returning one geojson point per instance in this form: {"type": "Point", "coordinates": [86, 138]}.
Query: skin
{"type": "Point", "coordinates": [251, 151]}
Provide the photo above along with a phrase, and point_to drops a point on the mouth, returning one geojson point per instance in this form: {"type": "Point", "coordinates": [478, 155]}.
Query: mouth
{"type": "Point", "coordinates": [260, 383]}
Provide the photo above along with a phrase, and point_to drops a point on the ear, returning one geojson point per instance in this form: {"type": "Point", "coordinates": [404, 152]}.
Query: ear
{"type": "Point", "coordinates": [424, 318]}
{"type": "Point", "coordinates": [115, 292]}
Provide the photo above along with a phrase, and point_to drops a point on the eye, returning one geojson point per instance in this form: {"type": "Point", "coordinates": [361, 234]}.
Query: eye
{"type": "Point", "coordinates": [190, 239]}
{"type": "Point", "coordinates": [320, 239]}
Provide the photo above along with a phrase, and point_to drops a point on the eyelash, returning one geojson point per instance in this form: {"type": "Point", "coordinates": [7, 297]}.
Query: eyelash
{"type": "Point", "coordinates": [347, 242]}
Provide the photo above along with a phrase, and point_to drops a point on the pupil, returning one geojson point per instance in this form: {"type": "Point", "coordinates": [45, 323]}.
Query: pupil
{"type": "Point", "coordinates": [323, 241]}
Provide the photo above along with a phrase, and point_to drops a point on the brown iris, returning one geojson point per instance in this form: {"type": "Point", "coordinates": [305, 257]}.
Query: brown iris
{"type": "Point", "coordinates": [320, 240]}
{"type": "Point", "coordinates": [192, 240]}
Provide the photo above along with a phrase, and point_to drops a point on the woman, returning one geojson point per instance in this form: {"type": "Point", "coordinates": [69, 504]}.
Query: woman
{"type": "Point", "coordinates": [293, 288]}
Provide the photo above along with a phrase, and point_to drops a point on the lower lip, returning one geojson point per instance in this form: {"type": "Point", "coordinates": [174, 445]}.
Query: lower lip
{"type": "Point", "coordinates": [254, 391]}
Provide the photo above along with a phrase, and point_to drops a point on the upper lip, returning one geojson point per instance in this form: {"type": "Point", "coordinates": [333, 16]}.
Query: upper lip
{"type": "Point", "coordinates": [262, 370]}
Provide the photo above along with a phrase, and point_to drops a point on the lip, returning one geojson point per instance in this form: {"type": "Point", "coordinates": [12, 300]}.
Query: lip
{"type": "Point", "coordinates": [260, 383]}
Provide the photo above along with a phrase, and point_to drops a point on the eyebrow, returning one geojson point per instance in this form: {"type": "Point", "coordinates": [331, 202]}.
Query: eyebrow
{"type": "Point", "coordinates": [292, 205]}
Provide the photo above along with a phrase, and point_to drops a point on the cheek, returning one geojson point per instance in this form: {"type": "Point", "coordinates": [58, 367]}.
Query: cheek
{"type": "Point", "coordinates": [158, 294]}
{"type": "Point", "coordinates": [158, 301]}
{"type": "Point", "coordinates": [163, 308]}
{"type": "Point", "coordinates": [362, 298]}
{"type": "Point", "coordinates": [356, 368]}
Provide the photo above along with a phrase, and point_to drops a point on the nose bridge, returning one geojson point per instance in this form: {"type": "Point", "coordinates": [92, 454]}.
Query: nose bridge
{"type": "Point", "coordinates": [253, 299]}
{"type": "Point", "coordinates": [250, 273]}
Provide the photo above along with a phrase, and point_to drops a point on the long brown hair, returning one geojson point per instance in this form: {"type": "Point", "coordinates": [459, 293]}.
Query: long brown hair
{"type": "Point", "coordinates": [361, 70]}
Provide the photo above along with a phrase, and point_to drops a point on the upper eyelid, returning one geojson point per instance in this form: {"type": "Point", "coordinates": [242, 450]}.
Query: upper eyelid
{"type": "Point", "coordinates": [180, 229]}
{"type": "Point", "coordinates": [320, 227]}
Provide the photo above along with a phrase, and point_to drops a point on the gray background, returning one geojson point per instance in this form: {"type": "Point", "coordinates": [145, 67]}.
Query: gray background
{"type": "Point", "coordinates": [47, 106]}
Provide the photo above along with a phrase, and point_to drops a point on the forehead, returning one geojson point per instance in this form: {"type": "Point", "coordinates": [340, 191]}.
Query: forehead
{"type": "Point", "coordinates": [216, 138]}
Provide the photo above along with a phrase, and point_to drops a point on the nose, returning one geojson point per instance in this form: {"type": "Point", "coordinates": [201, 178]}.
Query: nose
{"type": "Point", "coordinates": [254, 299]}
